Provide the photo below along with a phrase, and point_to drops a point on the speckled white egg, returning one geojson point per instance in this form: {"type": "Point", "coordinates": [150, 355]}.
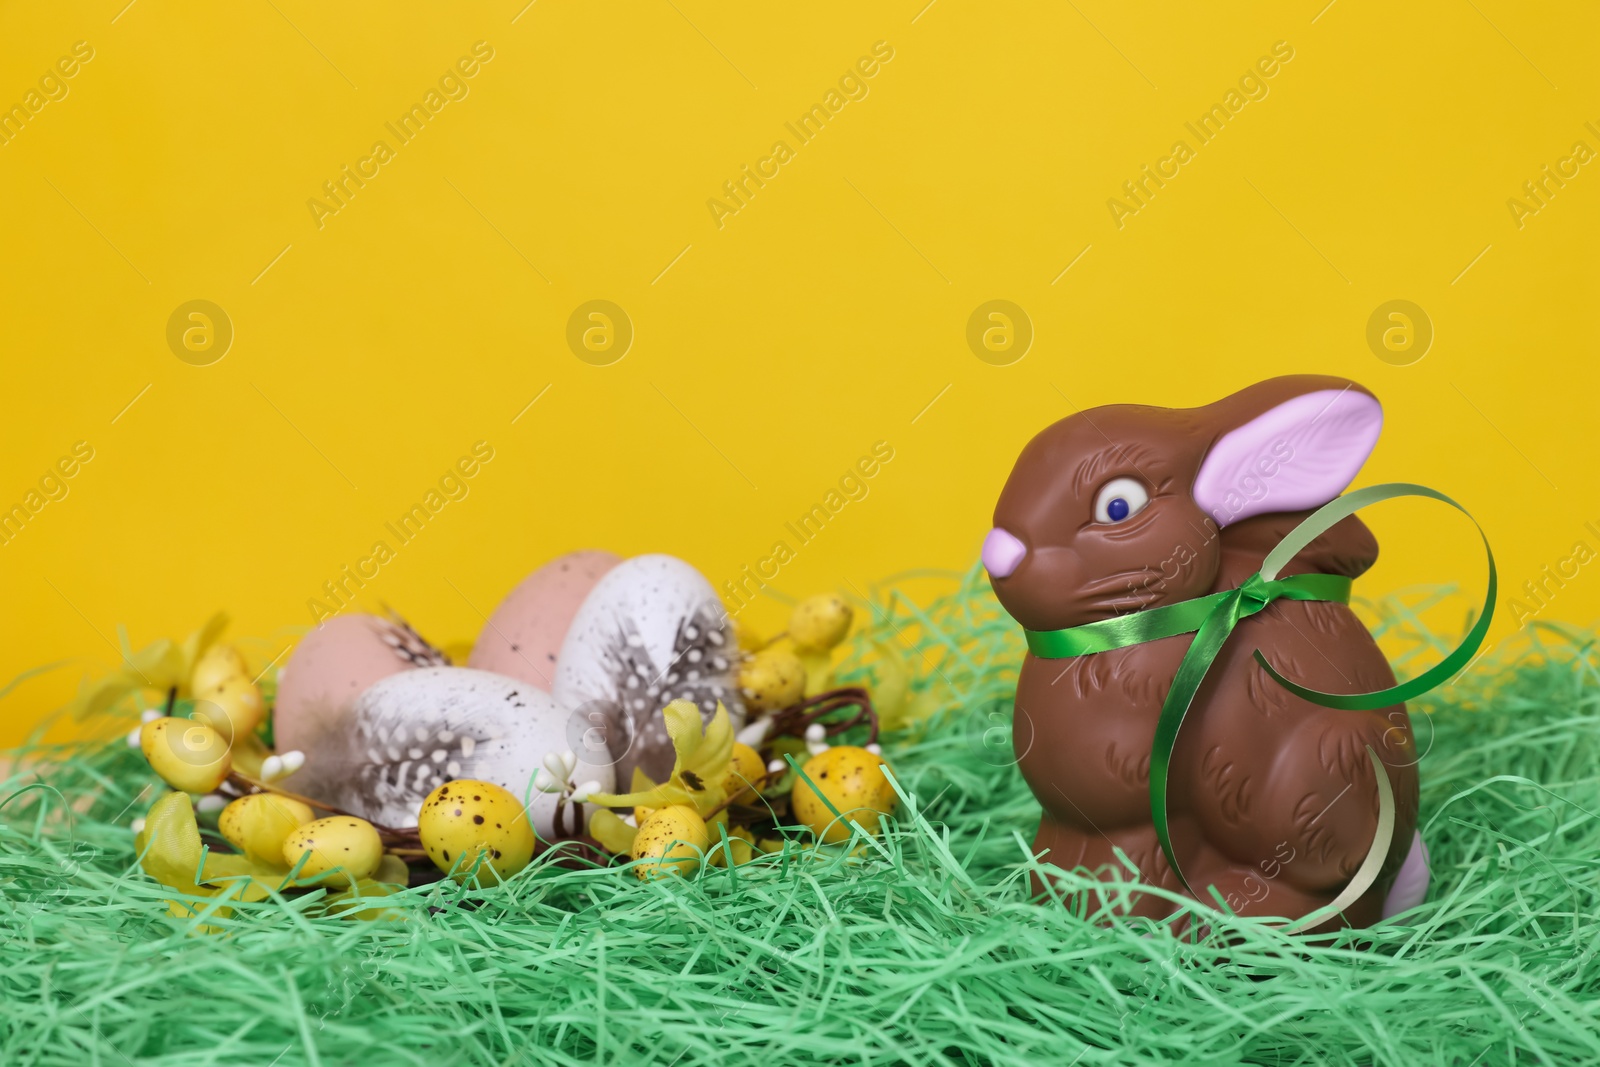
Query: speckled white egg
{"type": "Point", "coordinates": [413, 731]}
{"type": "Point", "coordinates": [523, 637]}
{"type": "Point", "coordinates": [651, 631]}
{"type": "Point", "coordinates": [334, 664]}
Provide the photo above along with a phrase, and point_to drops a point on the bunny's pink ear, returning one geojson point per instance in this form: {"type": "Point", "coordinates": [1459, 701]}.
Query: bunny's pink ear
{"type": "Point", "coordinates": [1300, 454]}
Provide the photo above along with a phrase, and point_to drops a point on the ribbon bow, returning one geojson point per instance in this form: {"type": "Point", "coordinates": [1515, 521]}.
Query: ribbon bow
{"type": "Point", "coordinates": [1212, 618]}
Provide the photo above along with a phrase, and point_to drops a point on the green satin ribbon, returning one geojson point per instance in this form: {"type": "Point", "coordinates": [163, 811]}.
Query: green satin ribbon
{"type": "Point", "coordinates": [1184, 617]}
{"type": "Point", "coordinates": [1212, 618]}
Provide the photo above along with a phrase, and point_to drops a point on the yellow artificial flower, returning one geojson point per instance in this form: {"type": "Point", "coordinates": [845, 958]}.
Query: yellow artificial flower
{"type": "Point", "coordinates": [700, 772]}
{"type": "Point", "coordinates": [170, 851]}
{"type": "Point", "coordinates": [163, 665]}
{"type": "Point", "coordinates": [614, 835]}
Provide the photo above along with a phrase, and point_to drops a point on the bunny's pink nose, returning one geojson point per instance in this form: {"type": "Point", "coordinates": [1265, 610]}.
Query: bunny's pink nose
{"type": "Point", "coordinates": [1002, 553]}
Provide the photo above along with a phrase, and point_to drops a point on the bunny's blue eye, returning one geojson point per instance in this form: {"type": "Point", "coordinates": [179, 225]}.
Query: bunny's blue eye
{"type": "Point", "coordinates": [1119, 499]}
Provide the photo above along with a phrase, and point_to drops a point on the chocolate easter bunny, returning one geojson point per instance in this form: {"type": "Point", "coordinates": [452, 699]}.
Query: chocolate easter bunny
{"type": "Point", "coordinates": [1271, 799]}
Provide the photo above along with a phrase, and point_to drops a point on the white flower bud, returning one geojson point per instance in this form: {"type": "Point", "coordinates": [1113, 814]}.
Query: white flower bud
{"type": "Point", "coordinates": [755, 733]}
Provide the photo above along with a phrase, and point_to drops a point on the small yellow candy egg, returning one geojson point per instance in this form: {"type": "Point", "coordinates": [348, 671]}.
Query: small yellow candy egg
{"type": "Point", "coordinates": [258, 824]}
{"type": "Point", "coordinates": [233, 706]}
{"type": "Point", "coordinates": [463, 820]}
{"type": "Point", "coordinates": [852, 779]}
{"type": "Point", "coordinates": [772, 679]}
{"type": "Point", "coordinates": [393, 871]}
{"type": "Point", "coordinates": [820, 622]}
{"type": "Point", "coordinates": [189, 756]}
{"type": "Point", "coordinates": [741, 843]}
{"type": "Point", "coordinates": [671, 841]}
{"type": "Point", "coordinates": [338, 850]}
{"type": "Point", "coordinates": [215, 666]}
{"type": "Point", "coordinates": [368, 906]}
{"type": "Point", "coordinates": [748, 773]}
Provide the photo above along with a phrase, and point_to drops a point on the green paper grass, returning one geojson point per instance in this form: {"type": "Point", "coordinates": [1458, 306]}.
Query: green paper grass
{"type": "Point", "coordinates": [919, 947]}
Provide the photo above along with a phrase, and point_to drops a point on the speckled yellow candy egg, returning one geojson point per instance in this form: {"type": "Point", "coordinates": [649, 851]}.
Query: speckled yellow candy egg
{"type": "Point", "coordinates": [341, 850]}
{"type": "Point", "coordinates": [368, 906]}
{"type": "Point", "coordinates": [671, 841]}
{"type": "Point", "coordinates": [772, 679]}
{"type": "Point", "coordinates": [749, 771]}
{"type": "Point", "coordinates": [852, 779]}
{"type": "Point", "coordinates": [820, 622]}
{"type": "Point", "coordinates": [741, 843]}
{"type": "Point", "coordinates": [189, 756]}
{"type": "Point", "coordinates": [465, 819]}
{"type": "Point", "coordinates": [260, 823]}
{"type": "Point", "coordinates": [393, 870]}
{"type": "Point", "coordinates": [233, 706]}
{"type": "Point", "coordinates": [215, 666]}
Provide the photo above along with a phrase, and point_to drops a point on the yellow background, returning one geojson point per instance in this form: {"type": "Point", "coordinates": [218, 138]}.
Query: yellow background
{"type": "Point", "coordinates": [770, 353]}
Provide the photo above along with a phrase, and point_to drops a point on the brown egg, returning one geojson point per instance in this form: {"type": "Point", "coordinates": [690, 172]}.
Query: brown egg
{"type": "Point", "coordinates": [523, 637]}
{"type": "Point", "coordinates": [333, 665]}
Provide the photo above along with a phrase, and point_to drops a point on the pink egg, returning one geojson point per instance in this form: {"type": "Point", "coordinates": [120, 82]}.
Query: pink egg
{"type": "Point", "coordinates": [523, 636]}
{"type": "Point", "coordinates": [331, 666]}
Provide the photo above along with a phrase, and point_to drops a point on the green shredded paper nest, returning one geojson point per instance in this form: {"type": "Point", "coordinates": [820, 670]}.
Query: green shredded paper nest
{"type": "Point", "coordinates": [919, 946]}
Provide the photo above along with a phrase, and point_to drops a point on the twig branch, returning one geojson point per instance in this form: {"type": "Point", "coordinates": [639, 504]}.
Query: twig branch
{"type": "Point", "coordinates": [793, 720]}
